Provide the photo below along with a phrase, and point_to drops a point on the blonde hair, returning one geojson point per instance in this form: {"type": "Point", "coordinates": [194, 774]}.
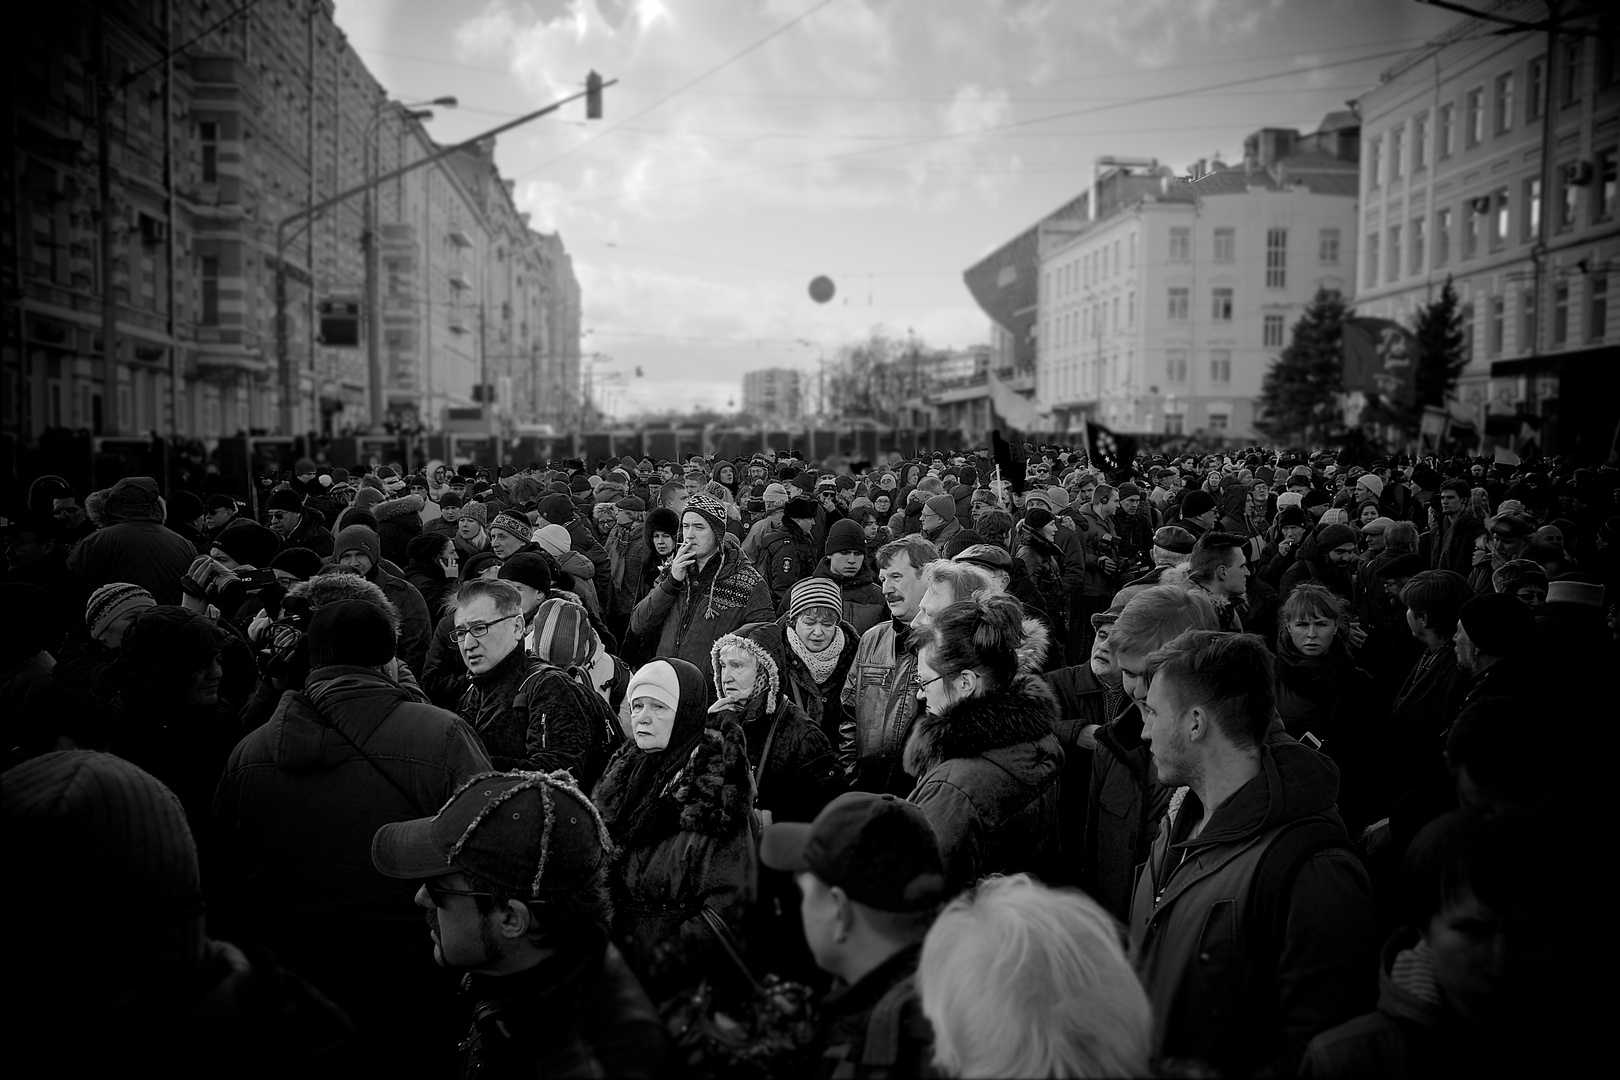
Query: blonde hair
{"type": "Point", "coordinates": [1019, 979]}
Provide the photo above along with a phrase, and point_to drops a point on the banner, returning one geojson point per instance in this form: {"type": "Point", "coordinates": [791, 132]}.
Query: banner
{"type": "Point", "coordinates": [1380, 357]}
{"type": "Point", "coordinates": [1109, 451]}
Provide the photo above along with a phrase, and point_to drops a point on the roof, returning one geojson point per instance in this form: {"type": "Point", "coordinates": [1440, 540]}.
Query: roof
{"type": "Point", "coordinates": [1233, 182]}
{"type": "Point", "coordinates": [1338, 120]}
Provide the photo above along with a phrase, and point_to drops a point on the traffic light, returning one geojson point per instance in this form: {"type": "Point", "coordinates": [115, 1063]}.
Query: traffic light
{"type": "Point", "coordinates": [593, 96]}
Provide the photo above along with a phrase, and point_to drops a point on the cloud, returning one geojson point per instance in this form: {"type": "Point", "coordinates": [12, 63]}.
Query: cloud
{"type": "Point", "coordinates": [1155, 30]}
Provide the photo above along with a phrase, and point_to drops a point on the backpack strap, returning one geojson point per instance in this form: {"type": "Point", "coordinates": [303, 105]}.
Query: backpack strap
{"type": "Point", "coordinates": [1281, 862]}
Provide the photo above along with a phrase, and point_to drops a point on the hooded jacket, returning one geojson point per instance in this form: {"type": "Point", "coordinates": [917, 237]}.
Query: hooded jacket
{"type": "Point", "coordinates": [864, 606]}
{"type": "Point", "coordinates": [823, 702]}
{"type": "Point", "coordinates": [685, 618]}
{"type": "Point", "coordinates": [299, 803]}
{"type": "Point", "coordinates": [1257, 934]}
{"type": "Point", "coordinates": [989, 775]}
{"type": "Point", "coordinates": [399, 521]}
{"type": "Point", "coordinates": [134, 546]}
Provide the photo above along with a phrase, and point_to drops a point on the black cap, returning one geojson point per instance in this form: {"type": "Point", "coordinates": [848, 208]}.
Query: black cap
{"type": "Point", "coordinates": [879, 849]}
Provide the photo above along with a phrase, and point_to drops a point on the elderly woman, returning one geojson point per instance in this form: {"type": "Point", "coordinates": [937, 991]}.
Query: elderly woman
{"type": "Point", "coordinates": [987, 761]}
{"type": "Point", "coordinates": [1018, 979]}
{"type": "Point", "coordinates": [677, 800]}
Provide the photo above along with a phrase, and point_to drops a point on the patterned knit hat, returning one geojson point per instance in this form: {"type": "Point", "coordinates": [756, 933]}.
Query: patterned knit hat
{"type": "Point", "coordinates": [477, 511]}
{"type": "Point", "coordinates": [813, 592]}
{"type": "Point", "coordinates": [515, 524]}
{"type": "Point", "coordinates": [563, 634]}
{"type": "Point", "coordinates": [111, 601]}
{"type": "Point", "coordinates": [712, 510]}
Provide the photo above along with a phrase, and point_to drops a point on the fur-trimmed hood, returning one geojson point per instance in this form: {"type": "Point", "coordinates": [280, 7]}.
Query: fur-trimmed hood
{"type": "Point", "coordinates": [748, 637]}
{"type": "Point", "coordinates": [1032, 653]}
{"type": "Point", "coordinates": [403, 506]}
{"type": "Point", "coordinates": [1022, 712]}
{"type": "Point", "coordinates": [323, 589]}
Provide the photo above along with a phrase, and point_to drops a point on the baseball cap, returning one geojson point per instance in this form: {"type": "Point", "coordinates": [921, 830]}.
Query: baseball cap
{"type": "Point", "coordinates": [526, 833]}
{"type": "Point", "coordinates": [879, 849]}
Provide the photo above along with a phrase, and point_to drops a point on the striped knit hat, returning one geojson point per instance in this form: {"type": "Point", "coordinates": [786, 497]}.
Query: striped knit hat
{"type": "Point", "coordinates": [563, 634]}
{"type": "Point", "coordinates": [516, 524]}
{"type": "Point", "coordinates": [111, 601]}
{"type": "Point", "coordinates": [813, 592]}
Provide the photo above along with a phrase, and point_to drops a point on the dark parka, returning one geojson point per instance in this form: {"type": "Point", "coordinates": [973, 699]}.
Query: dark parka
{"type": "Point", "coordinates": [1122, 810]}
{"type": "Point", "coordinates": [786, 557]}
{"type": "Point", "coordinates": [684, 619]}
{"type": "Point", "coordinates": [533, 716]}
{"type": "Point", "coordinates": [989, 774]}
{"type": "Point", "coordinates": [822, 703]}
{"type": "Point", "coordinates": [134, 546]}
{"type": "Point", "coordinates": [1257, 934]}
{"type": "Point", "coordinates": [1083, 700]}
{"type": "Point", "coordinates": [399, 521]}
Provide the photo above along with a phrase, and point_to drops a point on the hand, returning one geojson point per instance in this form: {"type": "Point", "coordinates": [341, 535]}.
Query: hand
{"type": "Point", "coordinates": [261, 623]}
{"type": "Point", "coordinates": [728, 700]}
{"type": "Point", "coordinates": [684, 559]}
{"type": "Point", "coordinates": [1356, 635]}
{"type": "Point", "coordinates": [1285, 546]}
{"type": "Point", "coordinates": [1481, 557]}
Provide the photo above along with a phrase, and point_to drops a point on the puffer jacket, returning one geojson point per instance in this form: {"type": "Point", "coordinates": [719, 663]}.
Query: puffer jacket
{"type": "Point", "coordinates": [864, 606]}
{"type": "Point", "coordinates": [1255, 935]}
{"type": "Point", "coordinates": [990, 772]}
{"type": "Point", "coordinates": [299, 803]}
{"type": "Point", "coordinates": [687, 618]}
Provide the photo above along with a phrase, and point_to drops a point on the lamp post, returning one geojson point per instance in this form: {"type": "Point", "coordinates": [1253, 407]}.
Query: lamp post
{"type": "Point", "coordinates": [373, 304]}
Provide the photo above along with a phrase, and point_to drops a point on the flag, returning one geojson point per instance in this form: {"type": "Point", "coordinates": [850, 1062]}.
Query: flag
{"type": "Point", "coordinates": [1380, 357]}
{"type": "Point", "coordinates": [1504, 456]}
{"type": "Point", "coordinates": [1002, 452]}
{"type": "Point", "coordinates": [1106, 450]}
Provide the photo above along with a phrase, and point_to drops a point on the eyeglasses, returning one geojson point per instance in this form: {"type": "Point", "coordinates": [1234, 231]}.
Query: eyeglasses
{"type": "Point", "coordinates": [437, 893]}
{"type": "Point", "coordinates": [924, 684]}
{"type": "Point", "coordinates": [477, 630]}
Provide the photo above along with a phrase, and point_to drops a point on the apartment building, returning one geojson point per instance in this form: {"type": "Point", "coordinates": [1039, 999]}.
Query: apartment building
{"type": "Point", "coordinates": [774, 393]}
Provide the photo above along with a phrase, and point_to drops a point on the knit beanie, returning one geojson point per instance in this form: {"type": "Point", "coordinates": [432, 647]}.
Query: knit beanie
{"type": "Point", "coordinates": [350, 632]}
{"type": "Point", "coordinates": [249, 543]}
{"type": "Point", "coordinates": [1038, 519]}
{"type": "Point", "coordinates": [528, 568]}
{"type": "Point", "coordinates": [563, 634]}
{"type": "Point", "coordinates": [555, 539]}
{"type": "Point", "coordinates": [477, 511]}
{"type": "Point", "coordinates": [184, 507]}
{"type": "Point", "coordinates": [286, 499]}
{"type": "Point", "coordinates": [367, 497]}
{"type": "Point", "coordinates": [1197, 501]}
{"type": "Point", "coordinates": [303, 465]}
{"type": "Point", "coordinates": [515, 524]}
{"type": "Point", "coordinates": [657, 680]}
{"type": "Point", "coordinates": [111, 601]}
{"type": "Point", "coordinates": [813, 592]}
{"type": "Point", "coordinates": [357, 538]}
{"type": "Point", "coordinates": [711, 510]}
{"type": "Point", "coordinates": [1128, 490]}
{"type": "Point", "coordinates": [449, 500]}
{"type": "Point", "coordinates": [1498, 624]}
{"type": "Point", "coordinates": [557, 508]}
{"type": "Point", "coordinates": [943, 505]}
{"type": "Point", "coordinates": [1329, 537]}
{"type": "Point", "coordinates": [300, 562]}
{"type": "Point", "coordinates": [1373, 485]}
{"type": "Point", "coordinates": [774, 495]}
{"type": "Point", "coordinates": [845, 535]}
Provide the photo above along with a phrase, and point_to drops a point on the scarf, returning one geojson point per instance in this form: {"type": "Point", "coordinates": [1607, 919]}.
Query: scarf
{"type": "Point", "coordinates": [823, 663]}
{"type": "Point", "coordinates": [629, 795]}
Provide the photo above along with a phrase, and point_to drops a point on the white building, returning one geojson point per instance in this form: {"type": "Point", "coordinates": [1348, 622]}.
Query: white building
{"type": "Point", "coordinates": [1487, 162]}
{"type": "Point", "coordinates": [1165, 314]}
{"type": "Point", "coordinates": [774, 393]}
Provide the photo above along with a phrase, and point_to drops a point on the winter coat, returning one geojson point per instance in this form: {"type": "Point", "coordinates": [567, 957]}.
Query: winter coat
{"type": "Point", "coordinates": [314, 535]}
{"type": "Point", "coordinates": [399, 521]}
{"type": "Point", "coordinates": [1256, 935]}
{"type": "Point", "coordinates": [876, 1029]}
{"type": "Point", "coordinates": [754, 542]}
{"type": "Point", "coordinates": [1043, 562]}
{"type": "Point", "coordinates": [880, 703]}
{"type": "Point", "coordinates": [578, 1013]}
{"type": "Point", "coordinates": [823, 703]}
{"type": "Point", "coordinates": [1450, 545]}
{"type": "Point", "coordinates": [801, 774]}
{"type": "Point", "coordinates": [989, 776]}
{"type": "Point", "coordinates": [1123, 808]}
{"type": "Point", "coordinates": [444, 672]}
{"type": "Point", "coordinates": [1097, 541]}
{"type": "Point", "coordinates": [944, 535]}
{"type": "Point", "coordinates": [415, 624]}
{"type": "Point", "coordinates": [533, 716]}
{"type": "Point", "coordinates": [1083, 700]}
{"type": "Point", "coordinates": [1413, 751]}
{"type": "Point", "coordinates": [135, 547]}
{"type": "Point", "coordinates": [600, 576]}
{"type": "Point", "coordinates": [627, 554]}
{"type": "Point", "coordinates": [578, 567]}
{"type": "Point", "coordinates": [1320, 696]}
{"type": "Point", "coordinates": [864, 606]}
{"type": "Point", "coordinates": [786, 557]}
{"type": "Point", "coordinates": [686, 618]}
{"type": "Point", "coordinates": [429, 580]}
{"type": "Point", "coordinates": [299, 803]}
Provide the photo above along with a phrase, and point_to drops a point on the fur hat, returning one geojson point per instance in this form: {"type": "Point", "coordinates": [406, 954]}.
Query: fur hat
{"type": "Point", "coordinates": [350, 632]}
{"type": "Point", "coordinates": [800, 508]}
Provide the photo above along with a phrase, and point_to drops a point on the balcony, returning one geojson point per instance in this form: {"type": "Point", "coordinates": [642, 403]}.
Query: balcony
{"type": "Point", "coordinates": [457, 323]}
{"type": "Point", "coordinates": [459, 237]}
{"type": "Point", "coordinates": [459, 280]}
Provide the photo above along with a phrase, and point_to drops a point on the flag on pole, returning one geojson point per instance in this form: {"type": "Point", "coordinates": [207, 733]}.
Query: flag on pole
{"type": "Point", "coordinates": [1380, 357]}
{"type": "Point", "coordinates": [1108, 450]}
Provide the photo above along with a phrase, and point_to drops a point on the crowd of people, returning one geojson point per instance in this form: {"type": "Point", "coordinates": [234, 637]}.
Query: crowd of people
{"type": "Point", "coordinates": [1219, 765]}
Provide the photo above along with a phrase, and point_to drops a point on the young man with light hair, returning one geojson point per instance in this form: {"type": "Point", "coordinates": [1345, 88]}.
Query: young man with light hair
{"type": "Point", "coordinates": [1019, 979]}
{"type": "Point", "coordinates": [945, 582]}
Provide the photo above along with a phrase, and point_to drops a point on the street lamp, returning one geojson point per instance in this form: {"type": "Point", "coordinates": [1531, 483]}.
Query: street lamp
{"type": "Point", "coordinates": [406, 111]}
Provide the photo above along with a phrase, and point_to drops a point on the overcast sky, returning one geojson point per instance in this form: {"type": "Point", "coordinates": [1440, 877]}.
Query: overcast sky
{"type": "Point", "coordinates": [888, 144]}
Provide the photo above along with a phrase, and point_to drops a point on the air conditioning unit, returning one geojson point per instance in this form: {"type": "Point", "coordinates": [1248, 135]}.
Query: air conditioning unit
{"type": "Point", "coordinates": [1577, 173]}
{"type": "Point", "coordinates": [1480, 204]}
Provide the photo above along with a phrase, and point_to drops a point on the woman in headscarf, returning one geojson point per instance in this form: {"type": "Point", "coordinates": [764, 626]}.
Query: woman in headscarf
{"type": "Point", "coordinates": [678, 801]}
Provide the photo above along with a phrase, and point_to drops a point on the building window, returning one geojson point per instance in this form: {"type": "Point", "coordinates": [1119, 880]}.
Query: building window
{"type": "Point", "coordinates": [1114, 319]}
{"type": "Point", "coordinates": [1273, 333]}
{"type": "Point", "coordinates": [208, 136]}
{"type": "Point", "coordinates": [1375, 162]}
{"type": "Point", "coordinates": [1180, 304]}
{"type": "Point", "coordinates": [1603, 202]}
{"type": "Point", "coordinates": [1527, 320]}
{"type": "Point", "coordinates": [1397, 137]}
{"type": "Point", "coordinates": [1560, 313]}
{"type": "Point", "coordinates": [1568, 200]}
{"type": "Point", "coordinates": [210, 291]}
{"type": "Point", "coordinates": [1276, 258]}
{"type": "Point", "coordinates": [1221, 309]}
{"type": "Point", "coordinates": [1501, 218]}
{"type": "Point", "coordinates": [1175, 365]}
{"type": "Point", "coordinates": [1130, 252]}
{"type": "Point", "coordinates": [1443, 127]}
{"type": "Point", "coordinates": [1220, 365]}
{"type": "Point", "coordinates": [1473, 118]}
{"type": "Point", "coordinates": [1597, 319]}
{"type": "Point", "coordinates": [1466, 313]}
{"type": "Point", "coordinates": [1420, 141]}
{"type": "Point", "coordinates": [1572, 70]}
{"type": "Point", "coordinates": [1174, 423]}
{"type": "Point", "coordinates": [1504, 103]}
{"type": "Point", "coordinates": [1535, 88]}
{"type": "Point", "coordinates": [1392, 265]}
{"type": "Point", "coordinates": [1442, 236]}
{"type": "Point", "coordinates": [1532, 206]}
{"type": "Point", "coordinates": [1472, 223]}
{"type": "Point", "coordinates": [1180, 244]}
{"type": "Point", "coordinates": [1494, 331]}
{"type": "Point", "coordinates": [1370, 274]}
{"type": "Point", "coordinates": [1225, 245]}
{"type": "Point", "coordinates": [1328, 249]}
{"type": "Point", "coordinates": [1419, 230]}
{"type": "Point", "coordinates": [1217, 421]}
{"type": "Point", "coordinates": [1130, 308]}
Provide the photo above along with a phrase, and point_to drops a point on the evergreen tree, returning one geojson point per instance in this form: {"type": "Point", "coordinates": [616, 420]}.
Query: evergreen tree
{"type": "Point", "coordinates": [1442, 353]}
{"type": "Point", "coordinates": [1299, 396]}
